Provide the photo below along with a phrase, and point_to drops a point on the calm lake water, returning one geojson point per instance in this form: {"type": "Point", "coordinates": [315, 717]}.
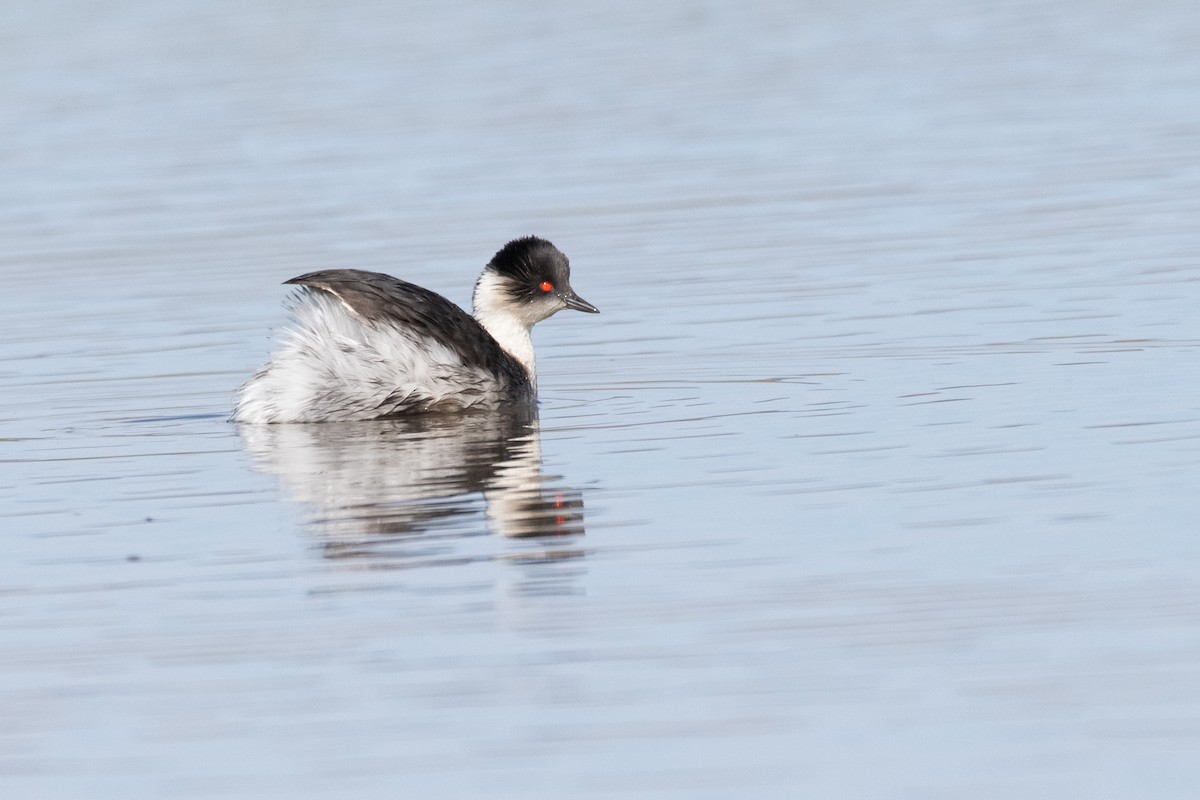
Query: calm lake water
{"type": "Point", "coordinates": [876, 477]}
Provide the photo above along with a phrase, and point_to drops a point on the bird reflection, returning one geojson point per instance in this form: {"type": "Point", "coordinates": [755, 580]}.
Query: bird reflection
{"type": "Point", "coordinates": [408, 491]}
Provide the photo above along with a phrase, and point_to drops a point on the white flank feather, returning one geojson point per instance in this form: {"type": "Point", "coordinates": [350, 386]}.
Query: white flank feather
{"type": "Point", "coordinates": [333, 365]}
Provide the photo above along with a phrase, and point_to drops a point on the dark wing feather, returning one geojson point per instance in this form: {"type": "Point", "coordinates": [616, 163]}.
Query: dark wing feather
{"type": "Point", "coordinates": [383, 300]}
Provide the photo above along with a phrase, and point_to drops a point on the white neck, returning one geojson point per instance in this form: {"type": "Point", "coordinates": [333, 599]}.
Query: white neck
{"type": "Point", "coordinates": [508, 328]}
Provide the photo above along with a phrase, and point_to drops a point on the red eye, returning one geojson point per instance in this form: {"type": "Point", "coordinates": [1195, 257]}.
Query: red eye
{"type": "Point", "coordinates": [547, 286]}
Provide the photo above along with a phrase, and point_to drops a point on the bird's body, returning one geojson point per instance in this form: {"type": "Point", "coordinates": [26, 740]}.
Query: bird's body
{"type": "Point", "coordinates": [366, 345]}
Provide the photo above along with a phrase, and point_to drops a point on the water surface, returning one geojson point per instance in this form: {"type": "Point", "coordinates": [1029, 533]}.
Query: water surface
{"type": "Point", "coordinates": [875, 477]}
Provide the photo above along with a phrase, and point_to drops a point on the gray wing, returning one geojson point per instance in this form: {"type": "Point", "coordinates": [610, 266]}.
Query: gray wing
{"type": "Point", "coordinates": [383, 300]}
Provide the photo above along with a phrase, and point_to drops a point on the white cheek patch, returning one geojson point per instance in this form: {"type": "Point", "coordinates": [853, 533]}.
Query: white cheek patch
{"type": "Point", "coordinates": [508, 323]}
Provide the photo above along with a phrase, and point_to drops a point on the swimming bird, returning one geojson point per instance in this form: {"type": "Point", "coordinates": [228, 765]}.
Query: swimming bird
{"type": "Point", "coordinates": [365, 345]}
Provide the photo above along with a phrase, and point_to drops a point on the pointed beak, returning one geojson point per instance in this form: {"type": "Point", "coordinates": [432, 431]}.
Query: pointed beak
{"type": "Point", "coordinates": [572, 300]}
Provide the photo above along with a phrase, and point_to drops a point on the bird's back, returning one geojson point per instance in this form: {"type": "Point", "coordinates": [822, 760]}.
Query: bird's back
{"type": "Point", "coordinates": [365, 345]}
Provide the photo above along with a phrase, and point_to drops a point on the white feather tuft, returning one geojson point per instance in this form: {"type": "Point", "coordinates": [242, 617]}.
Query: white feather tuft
{"type": "Point", "coordinates": [333, 365]}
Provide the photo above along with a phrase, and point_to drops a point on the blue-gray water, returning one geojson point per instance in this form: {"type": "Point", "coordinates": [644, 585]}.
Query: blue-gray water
{"type": "Point", "coordinates": [876, 477]}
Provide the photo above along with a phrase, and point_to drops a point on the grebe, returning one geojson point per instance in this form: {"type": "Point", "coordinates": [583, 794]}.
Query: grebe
{"type": "Point", "coordinates": [366, 345]}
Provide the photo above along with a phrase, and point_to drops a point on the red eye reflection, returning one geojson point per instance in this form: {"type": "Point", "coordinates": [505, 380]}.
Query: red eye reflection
{"type": "Point", "coordinates": [547, 286]}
